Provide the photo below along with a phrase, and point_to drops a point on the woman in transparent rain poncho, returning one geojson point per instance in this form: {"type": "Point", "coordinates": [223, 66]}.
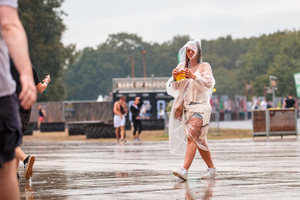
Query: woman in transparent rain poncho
{"type": "Point", "coordinates": [191, 85]}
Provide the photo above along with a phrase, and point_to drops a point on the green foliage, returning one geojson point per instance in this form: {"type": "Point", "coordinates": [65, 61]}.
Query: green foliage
{"type": "Point", "coordinates": [277, 55]}
{"type": "Point", "coordinates": [83, 75]}
{"type": "Point", "coordinates": [93, 73]}
{"type": "Point", "coordinates": [232, 61]}
{"type": "Point", "coordinates": [44, 27]}
{"type": "Point", "coordinates": [224, 83]}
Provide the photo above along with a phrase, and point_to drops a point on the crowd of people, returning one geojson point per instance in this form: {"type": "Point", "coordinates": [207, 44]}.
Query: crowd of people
{"type": "Point", "coordinates": [287, 102]}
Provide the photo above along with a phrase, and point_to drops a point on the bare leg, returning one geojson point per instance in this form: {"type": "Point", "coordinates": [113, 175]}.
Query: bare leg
{"type": "Point", "coordinates": [206, 157]}
{"type": "Point", "coordinates": [122, 132]}
{"type": "Point", "coordinates": [39, 124]}
{"type": "Point", "coordinates": [9, 188]}
{"type": "Point", "coordinates": [189, 154]}
{"type": "Point", "coordinates": [117, 133]}
{"type": "Point", "coordinates": [20, 155]}
{"type": "Point", "coordinates": [194, 132]}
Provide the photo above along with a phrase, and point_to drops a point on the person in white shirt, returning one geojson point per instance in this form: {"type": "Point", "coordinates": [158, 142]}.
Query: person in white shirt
{"type": "Point", "coordinates": [264, 104]}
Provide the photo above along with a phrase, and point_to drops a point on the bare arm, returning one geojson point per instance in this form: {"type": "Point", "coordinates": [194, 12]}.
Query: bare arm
{"type": "Point", "coordinates": [42, 86]}
{"type": "Point", "coordinates": [117, 110]}
{"type": "Point", "coordinates": [16, 41]}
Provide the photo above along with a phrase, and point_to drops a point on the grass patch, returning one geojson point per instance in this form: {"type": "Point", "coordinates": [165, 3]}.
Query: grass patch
{"type": "Point", "coordinates": [228, 134]}
{"type": "Point", "coordinates": [154, 135]}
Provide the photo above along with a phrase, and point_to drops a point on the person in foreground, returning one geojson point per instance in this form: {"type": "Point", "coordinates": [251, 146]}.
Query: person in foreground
{"type": "Point", "coordinates": [13, 41]}
{"type": "Point", "coordinates": [28, 160]}
{"type": "Point", "coordinates": [191, 85]}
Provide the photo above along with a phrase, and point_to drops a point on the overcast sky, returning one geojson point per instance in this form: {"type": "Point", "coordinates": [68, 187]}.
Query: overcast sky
{"type": "Point", "coordinates": [89, 22]}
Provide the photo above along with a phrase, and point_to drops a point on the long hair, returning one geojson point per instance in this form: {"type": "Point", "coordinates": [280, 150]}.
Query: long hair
{"type": "Point", "coordinates": [199, 55]}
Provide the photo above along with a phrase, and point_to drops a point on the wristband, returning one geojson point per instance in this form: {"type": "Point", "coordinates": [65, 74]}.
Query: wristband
{"type": "Point", "coordinates": [47, 86]}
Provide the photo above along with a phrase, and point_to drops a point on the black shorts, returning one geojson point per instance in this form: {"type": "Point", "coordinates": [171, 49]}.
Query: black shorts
{"type": "Point", "coordinates": [10, 127]}
{"type": "Point", "coordinates": [25, 119]}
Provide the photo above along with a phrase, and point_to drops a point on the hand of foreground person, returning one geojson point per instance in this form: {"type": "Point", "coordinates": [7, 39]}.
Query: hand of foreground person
{"type": "Point", "coordinates": [28, 94]}
{"type": "Point", "coordinates": [47, 79]}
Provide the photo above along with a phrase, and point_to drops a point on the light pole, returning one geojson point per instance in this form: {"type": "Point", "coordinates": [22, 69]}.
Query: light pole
{"type": "Point", "coordinates": [273, 86]}
{"type": "Point", "coordinates": [238, 64]}
{"type": "Point", "coordinates": [144, 63]}
{"type": "Point", "coordinates": [132, 66]}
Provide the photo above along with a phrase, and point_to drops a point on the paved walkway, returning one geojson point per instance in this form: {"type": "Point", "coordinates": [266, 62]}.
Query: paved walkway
{"type": "Point", "coordinates": [248, 169]}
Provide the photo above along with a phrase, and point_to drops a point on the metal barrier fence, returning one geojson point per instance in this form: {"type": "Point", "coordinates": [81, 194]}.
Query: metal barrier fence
{"type": "Point", "coordinates": [214, 125]}
{"type": "Point", "coordinates": [274, 122]}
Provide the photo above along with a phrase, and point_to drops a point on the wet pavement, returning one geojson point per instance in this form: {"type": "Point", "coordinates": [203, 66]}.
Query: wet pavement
{"type": "Point", "coordinates": [248, 169]}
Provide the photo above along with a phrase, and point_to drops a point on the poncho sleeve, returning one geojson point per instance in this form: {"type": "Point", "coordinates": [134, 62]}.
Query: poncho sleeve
{"type": "Point", "coordinates": [172, 85]}
{"type": "Point", "coordinates": [204, 78]}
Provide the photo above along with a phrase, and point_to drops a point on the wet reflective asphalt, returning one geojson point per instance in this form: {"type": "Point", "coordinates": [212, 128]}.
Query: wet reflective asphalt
{"type": "Point", "coordinates": [248, 169]}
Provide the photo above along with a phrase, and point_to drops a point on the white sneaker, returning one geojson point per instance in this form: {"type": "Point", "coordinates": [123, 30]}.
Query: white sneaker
{"type": "Point", "coordinates": [210, 173]}
{"type": "Point", "coordinates": [181, 173]}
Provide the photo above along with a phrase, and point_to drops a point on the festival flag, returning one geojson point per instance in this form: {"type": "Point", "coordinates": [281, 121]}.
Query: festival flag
{"type": "Point", "coordinates": [297, 83]}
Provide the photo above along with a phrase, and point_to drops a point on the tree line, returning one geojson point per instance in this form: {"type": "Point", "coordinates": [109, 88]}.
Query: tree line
{"type": "Point", "coordinates": [84, 74]}
{"type": "Point", "coordinates": [233, 61]}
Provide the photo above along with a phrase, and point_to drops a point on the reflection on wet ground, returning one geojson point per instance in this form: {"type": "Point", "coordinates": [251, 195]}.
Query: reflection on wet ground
{"type": "Point", "coordinates": [248, 169]}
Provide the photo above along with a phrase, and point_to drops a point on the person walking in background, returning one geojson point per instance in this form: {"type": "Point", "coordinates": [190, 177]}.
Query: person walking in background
{"type": "Point", "coordinates": [289, 102]}
{"type": "Point", "coordinates": [13, 41]}
{"type": "Point", "coordinates": [42, 115]}
{"type": "Point", "coordinates": [25, 116]}
{"type": "Point", "coordinates": [137, 123]}
{"type": "Point", "coordinates": [191, 85]}
{"type": "Point", "coordinates": [120, 112]}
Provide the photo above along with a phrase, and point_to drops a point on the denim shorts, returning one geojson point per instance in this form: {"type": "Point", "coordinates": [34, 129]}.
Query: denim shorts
{"type": "Point", "coordinates": [197, 115]}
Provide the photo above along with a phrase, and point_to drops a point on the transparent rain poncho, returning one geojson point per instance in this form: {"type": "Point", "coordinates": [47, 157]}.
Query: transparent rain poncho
{"type": "Point", "coordinates": [194, 97]}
